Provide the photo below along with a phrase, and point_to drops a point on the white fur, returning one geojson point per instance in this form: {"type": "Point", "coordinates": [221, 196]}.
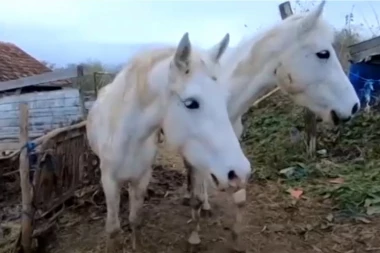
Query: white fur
{"type": "Point", "coordinates": [285, 56]}
{"type": "Point", "coordinates": [148, 93]}
{"type": "Point", "coordinates": [290, 48]}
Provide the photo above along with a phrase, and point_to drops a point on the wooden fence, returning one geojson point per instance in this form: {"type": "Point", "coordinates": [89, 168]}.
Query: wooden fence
{"type": "Point", "coordinates": [50, 168]}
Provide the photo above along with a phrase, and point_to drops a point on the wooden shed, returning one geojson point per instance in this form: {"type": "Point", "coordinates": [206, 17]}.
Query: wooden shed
{"type": "Point", "coordinates": [51, 96]}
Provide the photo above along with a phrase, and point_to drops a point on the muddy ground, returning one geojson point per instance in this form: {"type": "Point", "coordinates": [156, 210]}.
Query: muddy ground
{"type": "Point", "coordinates": [275, 222]}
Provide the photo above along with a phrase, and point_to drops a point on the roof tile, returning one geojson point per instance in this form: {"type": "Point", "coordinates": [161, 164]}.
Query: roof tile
{"type": "Point", "coordinates": [16, 63]}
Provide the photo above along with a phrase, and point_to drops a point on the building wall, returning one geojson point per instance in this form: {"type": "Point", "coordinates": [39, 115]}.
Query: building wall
{"type": "Point", "coordinates": [47, 110]}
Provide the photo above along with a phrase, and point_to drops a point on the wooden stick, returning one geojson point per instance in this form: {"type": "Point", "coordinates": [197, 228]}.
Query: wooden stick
{"type": "Point", "coordinates": [266, 96]}
{"type": "Point", "coordinates": [26, 189]}
{"type": "Point", "coordinates": [80, 88]}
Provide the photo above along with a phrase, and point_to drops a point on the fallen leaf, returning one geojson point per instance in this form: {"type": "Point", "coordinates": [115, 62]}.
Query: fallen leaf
{"type": "Point", "coordinates": [287, 171]}
{"type": "Point", "coordinates": [373, 210]}
{"type": "Point", "coordinates": [337, 180]}
{"type": "Point", "coordinates": [315, 248]}
{"type": "Point", "coordinates": [322, 152]}
{"type": "Point", "coordinates": [295, 193]}
{"type": "Point", "coordinates": [330, 217]}
{"type": "Point", "coordinates": [276, 227]}
{"type": "Point", "coordinates": [371, 201]}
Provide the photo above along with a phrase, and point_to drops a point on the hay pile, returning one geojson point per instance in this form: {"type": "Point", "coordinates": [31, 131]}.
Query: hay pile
{"type": "Point", "coordinates": [349, 154]}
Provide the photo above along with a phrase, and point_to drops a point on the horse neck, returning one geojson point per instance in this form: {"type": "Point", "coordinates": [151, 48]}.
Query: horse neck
{"type": "Point", "coordinates": [158, 89]}
{"type": "Point", "coordinates": [252, 72]}
{"type": "Point", "coordinates": [140, 100]}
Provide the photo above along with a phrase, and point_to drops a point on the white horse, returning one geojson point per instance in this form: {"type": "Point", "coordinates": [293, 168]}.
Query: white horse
{"type": "Point", "coordinates": [178, 89]}
{"type": "Point", "coordinates": [296, 55]}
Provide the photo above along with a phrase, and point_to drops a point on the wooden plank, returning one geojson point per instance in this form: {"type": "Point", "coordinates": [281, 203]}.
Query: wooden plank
{"type": "Point", "coordinates": [80, 75]}
{"type": "Point", "coordinates": [26, 189]}
{"type": "Point", "coordinates": [364, 45]}
{"type": "Point", "coordinates": [41, 121]}
{"type": "Point", "coordinates": [47, 110]}
{"type": "Point", "coordinates": [10, 146]}
{"type": "Point", "coordinates": [359, 56]}
{"type": "Point", "coordinates": [42, 112]}
{"type": "Point", "coordinates": [38, 79]}
{"type": "Point", "coordinates": [12, 101]}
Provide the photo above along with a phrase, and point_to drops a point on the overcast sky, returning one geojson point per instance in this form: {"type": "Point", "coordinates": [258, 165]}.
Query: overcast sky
{"type": "Point", "coordinates": [139, 21]}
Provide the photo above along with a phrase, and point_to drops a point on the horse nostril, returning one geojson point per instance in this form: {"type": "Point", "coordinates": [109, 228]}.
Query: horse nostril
{"type": "Point", "coordinates": [216, 181]}
{"type": "Point", "coordinates": [355, 109]}
{"type": "Point", "coordinates": [346, 119]}
{"type": "Point", "coordinates": [232, 175]}
{"type": "Point", "coordinates": [334, 117]}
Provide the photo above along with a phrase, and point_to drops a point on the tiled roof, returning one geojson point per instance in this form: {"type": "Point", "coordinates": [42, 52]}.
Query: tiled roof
{"type": "Point", "coordinates": [16, 63]}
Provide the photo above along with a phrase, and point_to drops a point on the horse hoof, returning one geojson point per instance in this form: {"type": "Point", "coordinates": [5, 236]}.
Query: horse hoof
{"type": "Point", "coordinates": [237, 249]}
{"type": "Point", "coordinates": [206, 213]}
{"type": "Point", "coordinates": [113, 243]}
{"type": "Point", "coordinates": [194, 238]}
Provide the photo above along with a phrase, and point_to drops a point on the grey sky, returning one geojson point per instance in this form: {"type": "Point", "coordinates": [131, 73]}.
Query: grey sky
{"type": "Point", "coordinates": [132, 22]}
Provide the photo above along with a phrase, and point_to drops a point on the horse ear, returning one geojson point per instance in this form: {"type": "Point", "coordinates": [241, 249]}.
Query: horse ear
{"type": "Point", "coordinates": [218, 50]}
{"type": "Point", "coordinates": [310, 20]}
{"type": "Point", "coordinates": [183, 52]}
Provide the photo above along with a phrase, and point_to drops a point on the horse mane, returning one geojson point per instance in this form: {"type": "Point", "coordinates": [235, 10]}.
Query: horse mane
{"type": "Point", "coordinates": [267, 43]}
{"type": "Point", "coordinates": [135, 74]}
{"type": "Point", "coordinates": [134, 77]}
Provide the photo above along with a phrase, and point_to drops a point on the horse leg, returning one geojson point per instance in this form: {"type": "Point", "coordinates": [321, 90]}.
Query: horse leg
{"type": "Point", "coordinates": [111, 190]}
{"type": "Point", "coordinates": [137, 190]}
{"type": "Point", "coordinates": [196, 202]}
{"type": "Point", "coordinates": [206, 208]}
{"type": "Point", "coordinates": [189, 176]}
{"type": "Point", "coordinates": [239, 199]}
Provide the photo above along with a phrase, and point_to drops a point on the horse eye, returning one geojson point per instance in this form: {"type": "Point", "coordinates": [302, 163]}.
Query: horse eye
{"type": "Point", "coordinates": [191, 104]}
{"type": "Point", "coordinates": [325, 54]}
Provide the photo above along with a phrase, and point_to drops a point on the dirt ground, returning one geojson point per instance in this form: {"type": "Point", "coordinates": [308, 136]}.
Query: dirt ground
{"type": "Point", "coordinates": [275, 223]}
{"type": "Point", "coordinates": [321, 221]}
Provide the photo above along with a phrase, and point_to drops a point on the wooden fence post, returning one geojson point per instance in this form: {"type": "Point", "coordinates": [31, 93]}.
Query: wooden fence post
{"type": "Point", "coordinates": [26, 189]}
{"type": "Point", "coordinates": [80, 74]}
{"type": "Point", "coordinates": [96, 84]}
{"type": "Point", "coordinates": [309, 117]}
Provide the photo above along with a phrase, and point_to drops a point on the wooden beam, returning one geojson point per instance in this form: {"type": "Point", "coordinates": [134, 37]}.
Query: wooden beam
{"type": "Point", "coordinates": [364, 45]}
{"type": "Point", "coordinates": [38, 79]}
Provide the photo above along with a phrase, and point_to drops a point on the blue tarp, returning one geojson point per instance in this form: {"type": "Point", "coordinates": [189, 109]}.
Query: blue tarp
{"type": "Point", "coordinates": [365, 77]}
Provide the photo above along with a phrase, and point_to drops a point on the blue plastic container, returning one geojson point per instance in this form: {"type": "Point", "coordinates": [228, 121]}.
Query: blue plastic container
{"type": "Point", "coordinates": [365, 77]}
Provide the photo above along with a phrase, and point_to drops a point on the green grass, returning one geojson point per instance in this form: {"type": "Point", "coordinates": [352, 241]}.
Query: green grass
{"type": "Point", "coordinates": [351, 152]}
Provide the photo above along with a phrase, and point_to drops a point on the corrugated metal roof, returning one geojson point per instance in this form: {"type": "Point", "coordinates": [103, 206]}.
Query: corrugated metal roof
{"type": "Point", "coordinates": [365, 50]}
